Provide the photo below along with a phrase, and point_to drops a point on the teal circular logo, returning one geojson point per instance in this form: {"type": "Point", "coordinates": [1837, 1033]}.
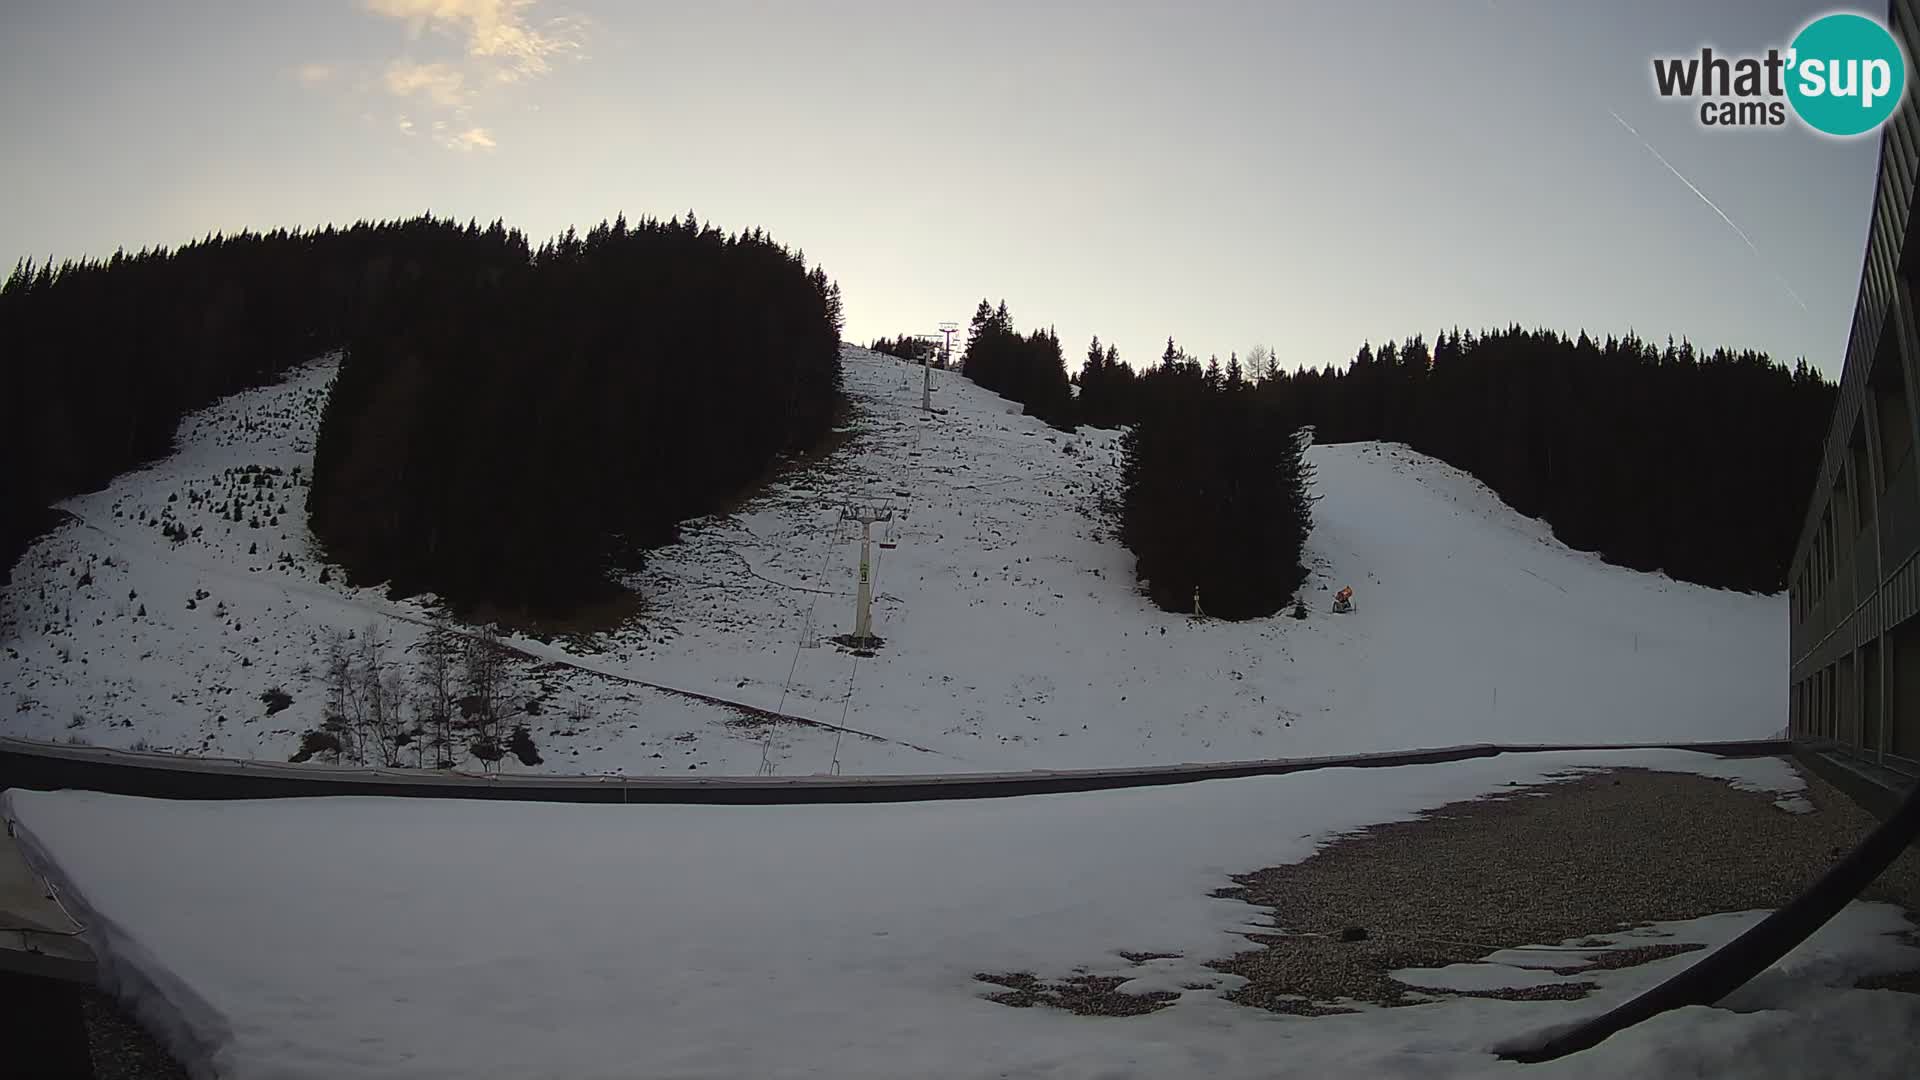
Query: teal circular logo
{"type": "Point", "coordinates": [1846, 74]}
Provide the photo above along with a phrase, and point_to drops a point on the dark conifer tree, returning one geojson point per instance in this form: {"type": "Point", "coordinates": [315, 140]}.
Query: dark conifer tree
{"type": "Point", "coordinates": [1216, 497]}
{"type": "Point", "coordinates": [1030, 369]}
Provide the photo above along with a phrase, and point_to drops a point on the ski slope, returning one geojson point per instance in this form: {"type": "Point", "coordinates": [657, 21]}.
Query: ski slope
{"type": "Point", "coordinates": [1015, 634]}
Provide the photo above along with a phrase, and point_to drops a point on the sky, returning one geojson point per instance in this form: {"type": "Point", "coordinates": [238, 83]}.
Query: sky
{"type": "Point", "coordinates": [1304, 176]}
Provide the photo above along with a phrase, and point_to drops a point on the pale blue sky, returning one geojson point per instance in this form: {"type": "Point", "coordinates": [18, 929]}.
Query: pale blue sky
{"type": "Point", "coordinates": [1300, 175]}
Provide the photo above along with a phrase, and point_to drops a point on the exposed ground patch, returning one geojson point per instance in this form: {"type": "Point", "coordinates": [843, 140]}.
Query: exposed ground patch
{"type": "Point", "coordinates": [1590, 855]}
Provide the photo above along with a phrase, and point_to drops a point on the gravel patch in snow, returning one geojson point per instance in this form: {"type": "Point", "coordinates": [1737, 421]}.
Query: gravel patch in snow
{"type": "Point", "coordinates": [120, 1049]}
{"type": "Point", "coordinates": [1086, 995]}
{"type": "Point", "coordinates": [1597, 855]}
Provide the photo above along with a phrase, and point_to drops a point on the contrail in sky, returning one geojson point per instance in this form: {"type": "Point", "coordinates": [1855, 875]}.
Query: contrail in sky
{"type": "Point", "coordinates": [1755, 248]}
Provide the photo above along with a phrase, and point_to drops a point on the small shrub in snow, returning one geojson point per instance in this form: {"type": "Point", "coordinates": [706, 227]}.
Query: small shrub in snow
{"type": "Point", "coordinates": [488, 750]}
{"type": "Point", "coordinates": [317, 743]}
{"type": "Point", "coordinates": [521, 743]}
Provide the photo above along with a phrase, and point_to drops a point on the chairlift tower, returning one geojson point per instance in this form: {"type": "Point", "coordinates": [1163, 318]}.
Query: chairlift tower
{"type": "Point", "coordinates": [862, 636]}
{"type": "Point", "coordinates": [947, 330]}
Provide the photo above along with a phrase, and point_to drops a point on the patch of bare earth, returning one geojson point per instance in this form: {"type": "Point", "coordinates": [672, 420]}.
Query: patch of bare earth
{"type": "Point", "coordinates": [1590, 855]}
{"type": "Point", "coordinates": [1087, 995]}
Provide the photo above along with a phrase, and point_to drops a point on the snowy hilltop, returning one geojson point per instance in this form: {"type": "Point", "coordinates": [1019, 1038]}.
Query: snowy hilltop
{"type": "Point", "coordinates": [185, 608]}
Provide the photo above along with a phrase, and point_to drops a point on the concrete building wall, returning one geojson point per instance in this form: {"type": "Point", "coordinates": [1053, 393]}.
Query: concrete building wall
{"type": "Point", "coordinates": [1854, 585]}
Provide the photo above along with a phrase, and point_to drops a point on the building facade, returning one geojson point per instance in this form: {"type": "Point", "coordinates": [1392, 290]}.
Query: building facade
{"type": "Point", "coordinates": [1854, 585]}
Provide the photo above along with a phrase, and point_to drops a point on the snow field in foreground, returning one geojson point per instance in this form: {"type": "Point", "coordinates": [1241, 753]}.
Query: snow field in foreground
{"type": "Point", "coordinates": [410, 939]}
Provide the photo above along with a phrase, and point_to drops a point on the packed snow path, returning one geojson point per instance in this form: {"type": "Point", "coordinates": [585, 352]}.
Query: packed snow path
{"type": "Point", "coordinates": [1015, 633]}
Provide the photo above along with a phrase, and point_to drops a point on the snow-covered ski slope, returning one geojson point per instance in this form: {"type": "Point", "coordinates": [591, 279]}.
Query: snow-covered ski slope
{"type": "Point", "coordinates": [1015, 635]}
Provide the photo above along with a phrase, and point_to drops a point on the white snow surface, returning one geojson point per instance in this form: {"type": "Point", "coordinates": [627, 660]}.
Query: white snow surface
{"type": "Point", "coordinates": [372, 938]}
{"type": "Point", "coordinates": [1016, 636]}
{"type": "Point", "coordinates": [1493, 976]}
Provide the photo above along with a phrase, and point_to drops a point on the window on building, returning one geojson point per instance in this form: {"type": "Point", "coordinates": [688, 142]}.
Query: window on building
{"type": "Point", "coordinates": [1842, 502]}
{"type": "Point", "coordinates": [1902, 735]}
{"type": "Point", "coordinates": [1871, 704]}
{"type": "Point", "coordinates": [1826, 526]}
{"type": "Point", "coordinates": [1891, 412]}
{"type": "Point", "coordinates": [1862, 476]}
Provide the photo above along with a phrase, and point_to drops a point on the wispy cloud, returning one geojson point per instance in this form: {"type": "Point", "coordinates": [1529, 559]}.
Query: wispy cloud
{"type": "Point", "coordinates": [500, 43]}
{"type": "Point", "coordinates": [476, 138]}
{"type": "Point", "coordinates": [440, 84]}
{"type": "Point", "coordinates": [313, 74]}
{"type": "Point", "coordinates": [500, 31]}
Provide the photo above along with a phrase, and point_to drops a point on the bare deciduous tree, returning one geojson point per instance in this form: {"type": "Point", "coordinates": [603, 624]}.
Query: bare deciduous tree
{"type": "Point", "coordinates": [380, 718]}
{"type": "Point", "coordinates": [485, 664]}
{"type": "Point", "coordinates": [341, 710]}
{"type": "Point", "coordinates": [434, 682]}
{"type": "Point", "coordinates": [1259, 363]}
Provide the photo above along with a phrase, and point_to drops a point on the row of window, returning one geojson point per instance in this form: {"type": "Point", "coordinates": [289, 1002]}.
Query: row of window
{"type": "Point", "coordinates": [1850, 506]}
{"type": "Point", "coordinates": [1861, 702]}
{"type": "Point", "coordinates": [1888, 272]}
{"type": "Point", "coordinates": [1816, 707]}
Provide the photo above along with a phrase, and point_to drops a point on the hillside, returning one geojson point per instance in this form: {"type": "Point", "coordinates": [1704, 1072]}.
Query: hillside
{"type": "Point", "coordinates": [1015, 634]}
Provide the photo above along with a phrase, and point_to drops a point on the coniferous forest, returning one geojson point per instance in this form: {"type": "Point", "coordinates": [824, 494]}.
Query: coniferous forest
{"type": "Point", "coordinates": [1693, 463]}
{"type": "Point", "coordinates": [507, 424]}
{"type": "Point", "coordinates": [1107, 388]}
{"type": "Point", "coordinates": [104, 356]}
{"type": "Point", "coordinates": [614, 383]}
{"type": "Point", "coordinates": [1028, 368]}
{"type": "Point", "coordinates": [510, 437]}
{"type": "Point", "coordinates": [1671, 459]}
{"type": "Point", "coordinates": [1215, 501]}
{"type": "Point", "coordinates": [911, 348]}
